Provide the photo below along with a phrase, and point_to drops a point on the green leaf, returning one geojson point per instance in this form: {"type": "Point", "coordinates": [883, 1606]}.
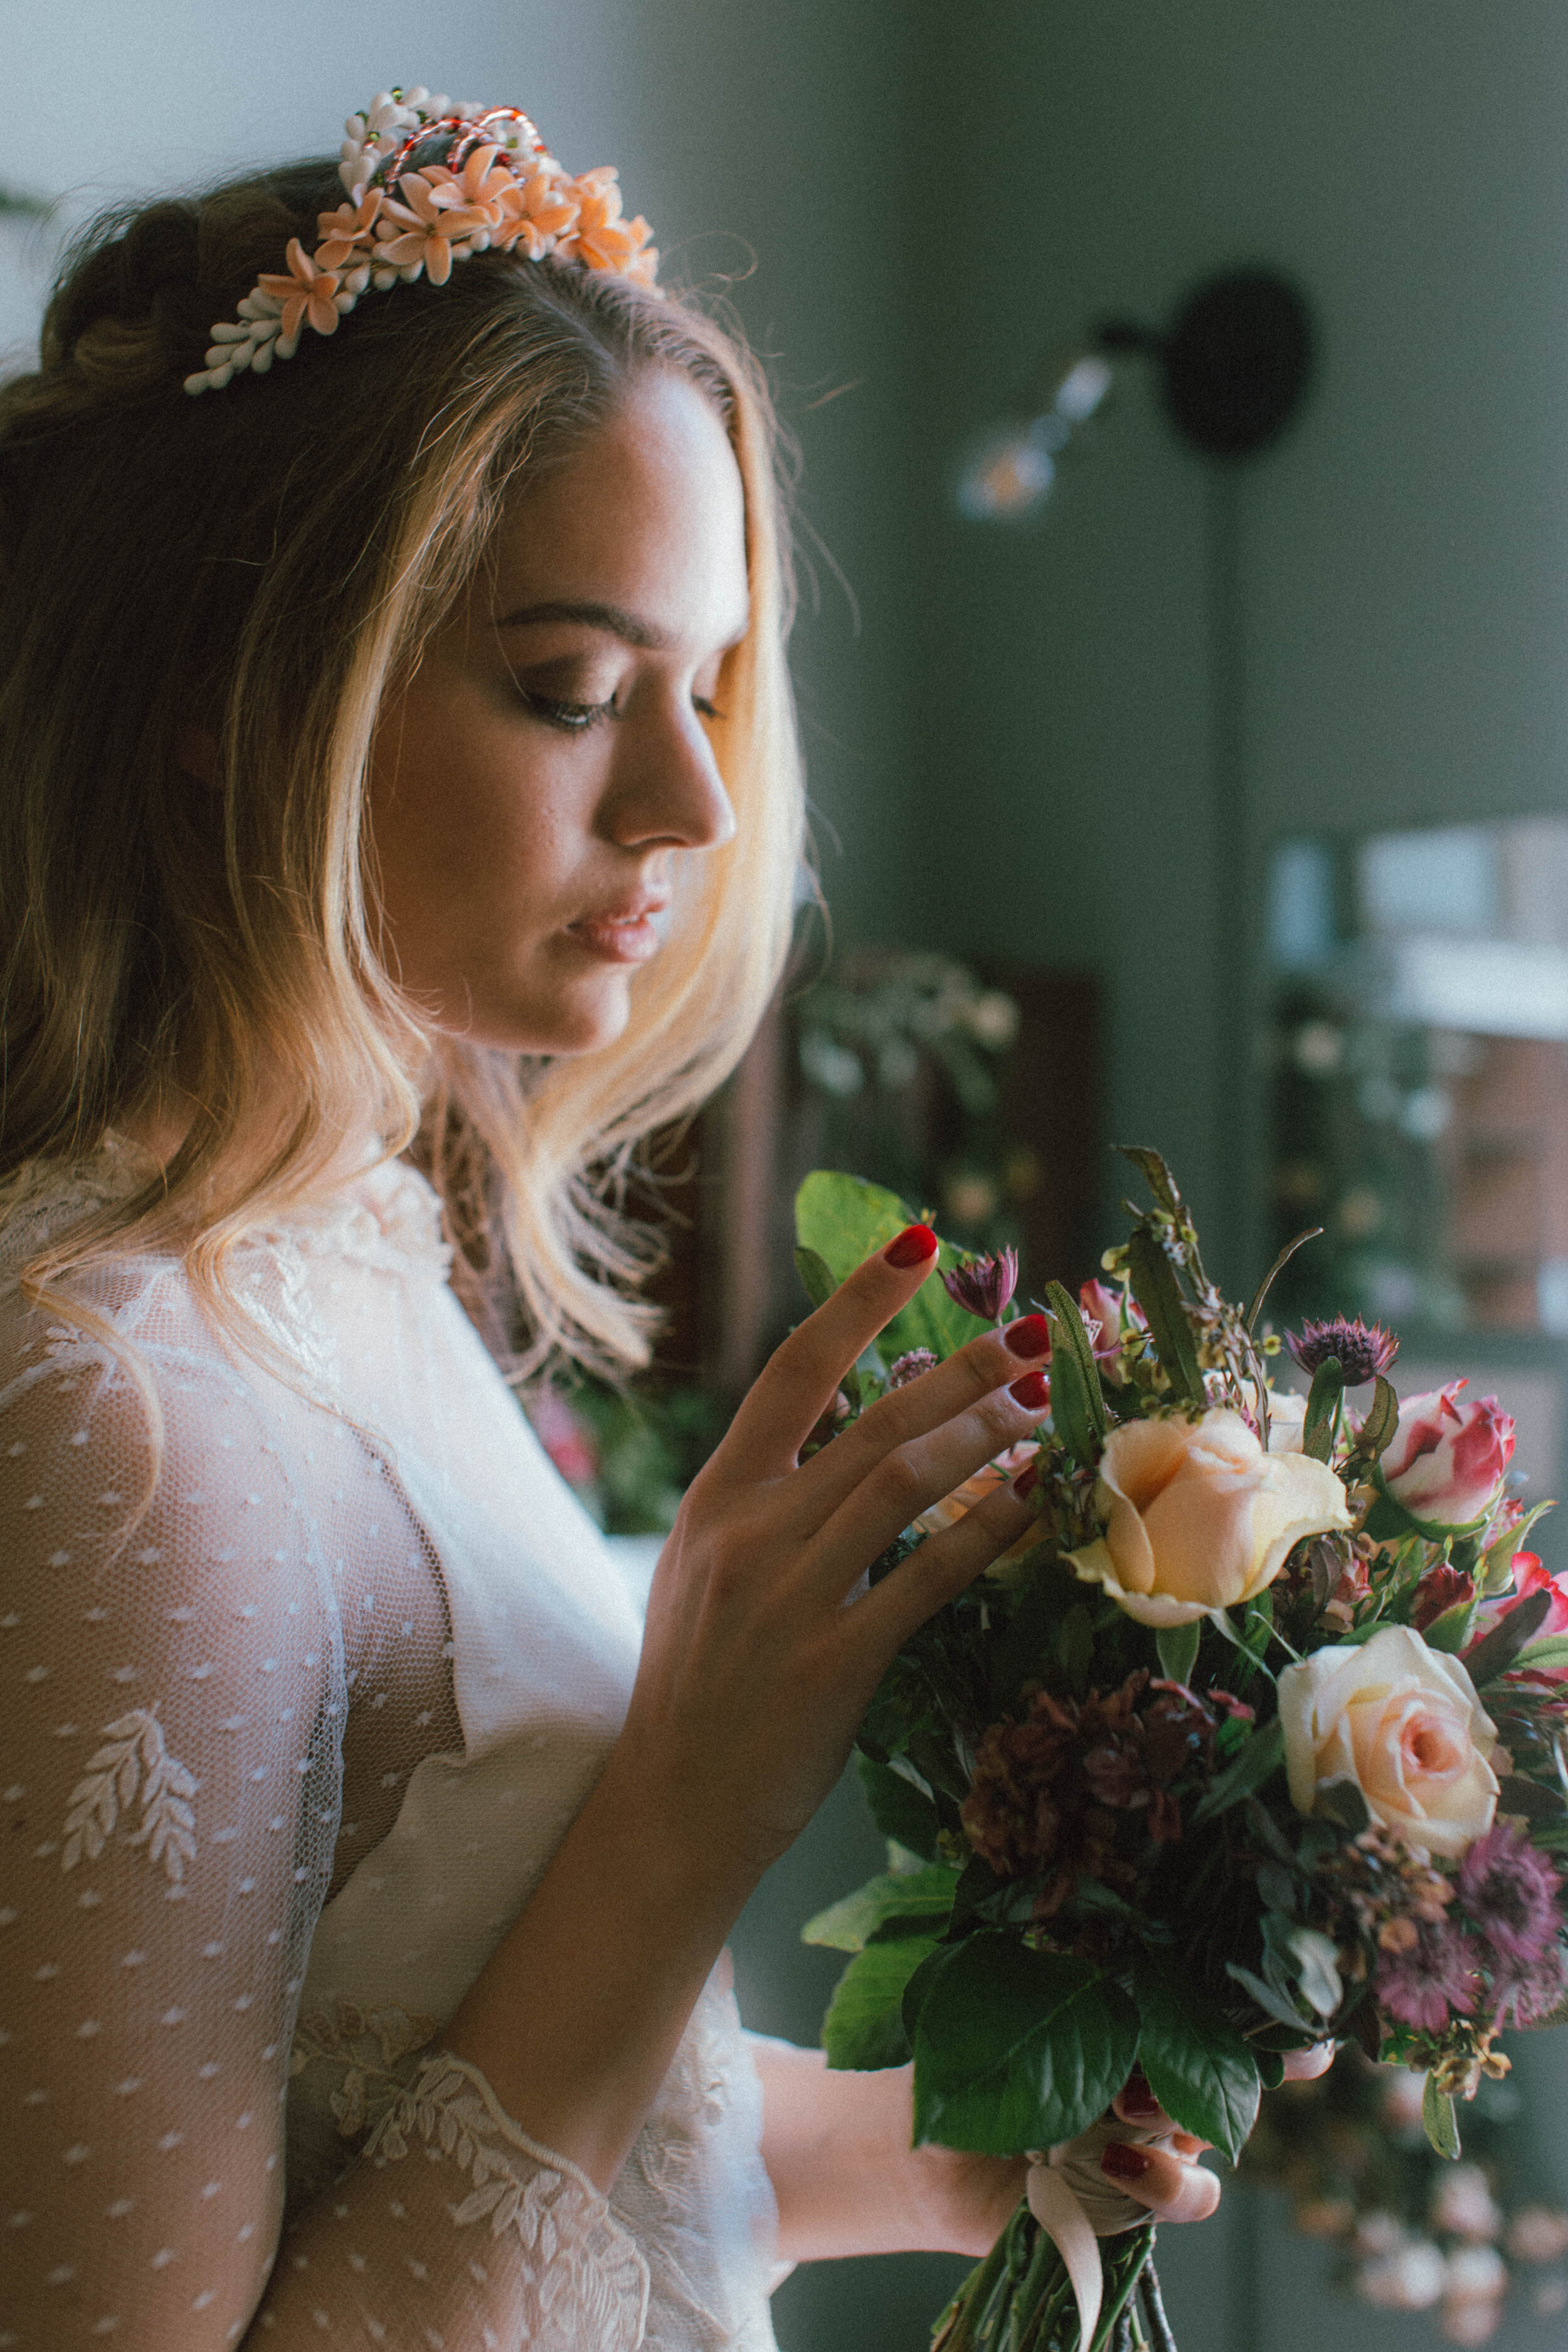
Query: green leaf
{"type": "Point", "coordinates": [1322, 1408]}
{"type": "Point", "coordinates": [816, 1274]}
{"type": "Point", "coordinates": [1016, 2049]}
{"type": "Point", "coordinates": [1451, 1631]}
{"type": "Point", "coordinates": [1442, 2125]}
{"type": "Point", "coordinates": [1158, 1293]}
{"type": "Point", "coordinates": [917, 1990]}
{"type": "Point", "coordinates": [1078, 1403]}
{"type": "Point", "coordinates": [1552, 1652]}
{"type": "Point", "coordinates": [1197, 2065]}
{"type": "Point", "coordinates": [844, 1219]}
{"type": "Point", "coordinates": [1343, 1802]}
{"type": "Point", "coordinates": [900, 1810]}
{"type": "Point", "coordinates": [1536, 1800]}
{"type": "Point", "coordinates": [1507, 1637]}
{"type": "Point", "coordinates": [1074, 1647]}
{"type": "Point", "coordinates": [1262, 1756]}
{"type": "Point", "coordinates": [1495, 1576]}
{"type": "Point", "coordinates": [1274, 1271]}
{"type": "Point", "coordinates": [1376, 1431]}
{"type": "Point", "coordinates": [849, 1924]}
{"type": "Point", "coordinates": [1152, 1166]}
{"type": "Point", "coordinates": [864, 2027]}
{"type": "Point", "coordinates": [1178, 1649]}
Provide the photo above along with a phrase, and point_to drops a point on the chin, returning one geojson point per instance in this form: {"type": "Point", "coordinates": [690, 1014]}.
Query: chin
{"type": "Point", "coordinates": [581, 1025]}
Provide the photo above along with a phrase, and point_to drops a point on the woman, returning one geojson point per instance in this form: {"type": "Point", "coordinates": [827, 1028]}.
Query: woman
{"type": "Point", "coordinates": [395, 759]}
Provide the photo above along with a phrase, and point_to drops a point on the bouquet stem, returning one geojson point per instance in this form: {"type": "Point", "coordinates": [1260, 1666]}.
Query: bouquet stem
{"type": "Point", "coordinates": [1020, 2299]}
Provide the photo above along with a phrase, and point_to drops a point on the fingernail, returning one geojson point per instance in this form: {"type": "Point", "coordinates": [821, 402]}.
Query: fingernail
{"type": "Point", "coordinates": [1027, 1479]}
{"type": "Point", "coordinates": [1029, 1336]}
{"type": "Point", "coordinates": [1119, 2162]}
{"type": "Point", "coordinates": [912, 1247]}
{"type": "Point", "coordinates": [1033, 1392]}
{"type": "Point", "coordinates": [1138, 2101]}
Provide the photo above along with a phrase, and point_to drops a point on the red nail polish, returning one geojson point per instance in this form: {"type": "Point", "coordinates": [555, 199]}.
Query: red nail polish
{"type": "Point", "coordinates": [1027, 1479]}
{"type": "Point", "coordinates": [912, 1247]}
{"type": "Point", "coordinates": [1033, 1392]}
{"type": "Point", "coordinates": [1029, 1336]}
{"type": "Point", "coordinates": [1119, 2162]}
{"type": "Point", "coordinates": [1138, 2101]}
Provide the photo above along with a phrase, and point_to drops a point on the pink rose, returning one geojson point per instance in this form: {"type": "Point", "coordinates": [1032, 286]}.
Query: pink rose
{"type": "Point", "coordinates": [1401, 1721]}
{"type": "Point", "coordinates": [1448, 1460]}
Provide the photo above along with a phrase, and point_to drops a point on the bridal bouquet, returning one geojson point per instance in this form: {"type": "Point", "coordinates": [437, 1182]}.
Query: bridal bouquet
{"type": "Point", "coordinates": [1255, 1740]}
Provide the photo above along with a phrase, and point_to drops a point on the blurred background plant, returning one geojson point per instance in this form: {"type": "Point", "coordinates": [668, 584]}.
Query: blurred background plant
{"type": "Point", "coordinates": [904, 1060]}
{"type": "Point", "coordinates": [1415, 2232]}
{"type": "Point", "coordinates": [1361, 1108]}
{"type": "Point", "coordinates": [628, 1454]}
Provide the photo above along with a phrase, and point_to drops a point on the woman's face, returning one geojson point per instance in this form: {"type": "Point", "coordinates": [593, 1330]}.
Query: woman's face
{"type": "Point", "coordinates": [533, 786]}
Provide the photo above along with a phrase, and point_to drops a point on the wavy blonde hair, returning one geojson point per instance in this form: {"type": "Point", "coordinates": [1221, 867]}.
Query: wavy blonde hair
{"type": "Point", "coordinates": [269, 562]}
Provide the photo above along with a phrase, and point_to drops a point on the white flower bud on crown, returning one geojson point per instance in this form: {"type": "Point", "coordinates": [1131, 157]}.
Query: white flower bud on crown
{"type": "Point", "coordinates": [497, 189]}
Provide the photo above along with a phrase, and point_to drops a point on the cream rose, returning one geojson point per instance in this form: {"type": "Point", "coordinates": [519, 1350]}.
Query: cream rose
{"type": "Point", "coordinates": [1199, 1518]}
{"type": "Point", "coordinates": [1404, 1723]}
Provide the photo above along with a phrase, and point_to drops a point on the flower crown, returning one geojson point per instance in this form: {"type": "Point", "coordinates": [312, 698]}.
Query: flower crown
{"type": "Point", "coordinates": [428, 183]}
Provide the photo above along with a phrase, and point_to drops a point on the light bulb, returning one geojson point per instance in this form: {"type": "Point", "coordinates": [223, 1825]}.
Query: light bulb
{"type": "Point", "coordinates": [1008, 472]}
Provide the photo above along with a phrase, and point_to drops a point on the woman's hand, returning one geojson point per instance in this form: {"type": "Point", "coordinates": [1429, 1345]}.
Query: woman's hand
{"type": "Point", "coordinates": [754, 1672]}
{"type": "Point", "coordinates": [837, 2146]}
{"type": "Point", "coordinates": [754, 1677]}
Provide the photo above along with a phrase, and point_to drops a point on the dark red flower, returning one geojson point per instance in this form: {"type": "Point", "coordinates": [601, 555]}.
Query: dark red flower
{"type": "Point", "coordinates": [1443, 1587]}
{"type": "Point", "coordinates": [985, 1286]}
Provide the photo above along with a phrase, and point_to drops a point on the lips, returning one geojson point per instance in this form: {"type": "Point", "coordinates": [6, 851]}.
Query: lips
{"type": "Point", "coordinates": [626, 933]}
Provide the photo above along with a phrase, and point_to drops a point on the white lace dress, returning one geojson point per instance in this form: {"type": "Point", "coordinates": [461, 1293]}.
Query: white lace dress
{"type": "Point", "coordinates": [280, 1765]}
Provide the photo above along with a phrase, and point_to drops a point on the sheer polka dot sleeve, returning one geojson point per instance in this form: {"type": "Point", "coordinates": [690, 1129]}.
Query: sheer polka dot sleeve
{"type": "Point", "coordinates": [174, 1686]}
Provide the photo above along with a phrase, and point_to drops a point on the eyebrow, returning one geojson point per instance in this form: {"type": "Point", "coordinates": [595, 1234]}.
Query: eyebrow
{"type": "Point", "coordinates": [614, 619]}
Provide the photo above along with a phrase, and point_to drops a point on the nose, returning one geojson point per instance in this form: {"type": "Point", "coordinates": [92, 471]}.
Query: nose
{"type": "Point", "coordinates": [666, 789]}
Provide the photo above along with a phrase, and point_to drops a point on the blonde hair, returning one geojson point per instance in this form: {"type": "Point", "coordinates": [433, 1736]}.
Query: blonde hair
{"type": "Point", "coordinates": [268, 561]}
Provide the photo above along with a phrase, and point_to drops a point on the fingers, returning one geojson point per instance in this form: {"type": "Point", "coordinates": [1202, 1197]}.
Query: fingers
{"type": "Point", "coordinates": [984, 1373]}
{"type": "Point", "coordinates": [1135, 2104]}
{"type": "Point", "coordinates": [1306, 2065]}
{"type": "Point", "coordinates": [941, 1569]}
{"type": "Point", "coordinates": [1172, 2187]}
{"type": "Point", "coordinates": [798, 1382]}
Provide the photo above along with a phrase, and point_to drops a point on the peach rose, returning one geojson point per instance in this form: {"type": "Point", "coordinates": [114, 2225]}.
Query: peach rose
{"type": "Point", "coordinates": [1199, 1518]}
{"type": "Point", "coordinates": [1404, 1723]}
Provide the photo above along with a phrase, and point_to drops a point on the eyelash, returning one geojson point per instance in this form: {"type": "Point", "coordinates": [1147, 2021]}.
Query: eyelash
{"type": "Point", "coordinates": [576, 718]}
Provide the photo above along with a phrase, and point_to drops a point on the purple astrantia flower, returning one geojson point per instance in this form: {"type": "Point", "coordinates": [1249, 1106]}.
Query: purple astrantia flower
{"type": "Point", "coordinates": [1531, 1998]}
{"type": "Point", "coordinates": [985, 1286]}
{"type": "Point", "coordinates": [1509, 1890]}
{"type": "Point", "coordinates": [909, 1366]}
{"type": "Point", "coordinates": [1440, 1973]}
{"type": "Point", "coordinates": [1364, 1350]}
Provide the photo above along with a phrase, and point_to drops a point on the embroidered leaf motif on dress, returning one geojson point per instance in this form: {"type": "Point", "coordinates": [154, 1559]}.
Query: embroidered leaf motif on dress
{"type": "Point", "coordinates": [135, 1744]}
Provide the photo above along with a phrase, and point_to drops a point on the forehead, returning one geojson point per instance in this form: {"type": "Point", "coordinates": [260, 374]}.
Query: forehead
{"type": "Point", "coordinates": [646, 514]}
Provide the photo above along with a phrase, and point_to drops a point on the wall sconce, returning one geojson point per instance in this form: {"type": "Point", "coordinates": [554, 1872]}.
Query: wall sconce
{"type": "Point", "coordinates": [1232, 369]}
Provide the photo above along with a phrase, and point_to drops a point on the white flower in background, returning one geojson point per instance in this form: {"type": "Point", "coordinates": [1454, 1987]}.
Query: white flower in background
{"type": "Point", "coordinates": [1463, 2203]}
{"type": "Point", "coordinates": [1378, 2233]}
{"type": "Point", "coordinates": [1411, 2278]}
{"type": "Point", "coordinates": [1538, 2233]}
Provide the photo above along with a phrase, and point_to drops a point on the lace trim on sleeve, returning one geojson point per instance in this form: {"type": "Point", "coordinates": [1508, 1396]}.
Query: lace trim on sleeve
{"type": "Point", "coordinates": [574, 2252]}
{"type": "Point", "coordinates": [584, 2275]}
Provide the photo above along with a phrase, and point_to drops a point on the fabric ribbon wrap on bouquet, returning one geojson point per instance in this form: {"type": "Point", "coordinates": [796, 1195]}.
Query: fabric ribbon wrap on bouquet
{"type": "Point", "coordinates": [1076, 2206]}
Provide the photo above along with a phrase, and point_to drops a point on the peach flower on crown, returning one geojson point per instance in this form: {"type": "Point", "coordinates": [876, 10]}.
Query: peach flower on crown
{"type": "Point", "coordinates": [427, 183]}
